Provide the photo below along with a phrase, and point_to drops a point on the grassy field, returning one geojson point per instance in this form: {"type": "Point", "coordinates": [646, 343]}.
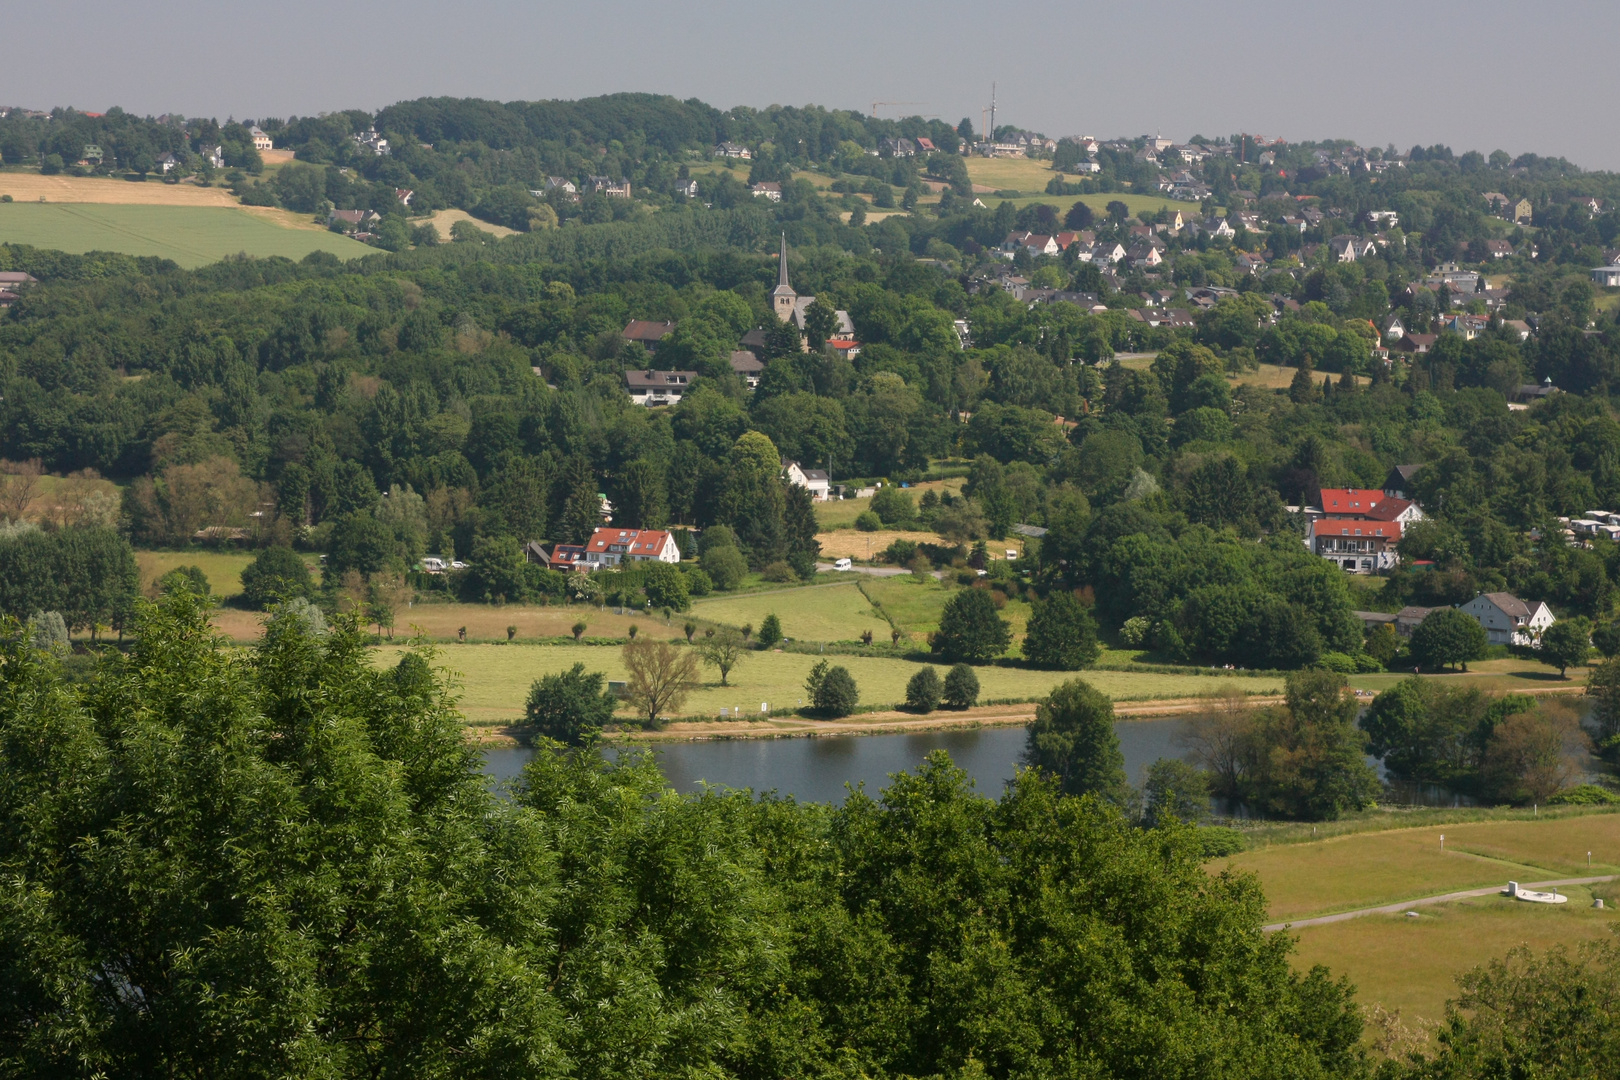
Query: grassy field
{"type": "Point", "coordinates": [1030, 178]}
{"type": "Point", "coordinates": [913, 605]}
{"type": "Point", "coordinates": [819, 613]}
{"type": "Point", "coordinates": [841, 513]}
{"type": "Point", "coordinates": [31, 187]}
{"type": "Point", "coordinates": [1412, 964]}
{"type": "Point", "coordinates": [190, 235]}
{"type": "Point", "coordinates": [444, 219]}
{"type": "Point", "coordinates": [1373, 868]}
{"type": "Point", "coordinates": [495, 679]}
{"type": "Point", "coordinates": [222, 568]}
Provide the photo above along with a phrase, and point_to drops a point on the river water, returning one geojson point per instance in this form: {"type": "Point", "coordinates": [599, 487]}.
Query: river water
{"type": "Point", "coordinates": [822, 769]}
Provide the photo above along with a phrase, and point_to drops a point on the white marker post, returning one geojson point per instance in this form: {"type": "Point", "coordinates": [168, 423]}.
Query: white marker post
{"type": "Point", "coordinates": [1442, 841]}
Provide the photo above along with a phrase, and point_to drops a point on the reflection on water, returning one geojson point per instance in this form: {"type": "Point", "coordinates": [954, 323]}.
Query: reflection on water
{"type": "Point", "coordinates": [824, 769]}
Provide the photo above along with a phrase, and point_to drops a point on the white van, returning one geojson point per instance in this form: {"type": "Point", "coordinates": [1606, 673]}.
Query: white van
{"type": "Point", "coordinates": [844, 564]}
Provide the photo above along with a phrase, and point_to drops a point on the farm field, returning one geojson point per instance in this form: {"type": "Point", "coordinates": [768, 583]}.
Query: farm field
{"type": "Point", "coordinates": [495, 679]}
{"type": "Point", "coordinates": [222, 568]}
{"type": "Point", "coordinates": [444, 219]}
{"type": "Point", "coordinates": [31, 187]}
{"type": "Point", "coordinates": [190, 235]}
{"type": "Point", "coordinates": [1368, 869]}
{"type": "Point", "coordinates": [841, 513]}
{"type": "Point", "coordinates": [1412, 964]}
{"type": "Point", "coordinates": [1513, 673]}
{"type": "Point", "coordinates": [817, 613]}
{"type": "Point", "coordinates": [440, 622]}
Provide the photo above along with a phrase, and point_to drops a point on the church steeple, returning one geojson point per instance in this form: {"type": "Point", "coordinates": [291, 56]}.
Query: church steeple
{"type": "Point", "coordinates": [783, 298]}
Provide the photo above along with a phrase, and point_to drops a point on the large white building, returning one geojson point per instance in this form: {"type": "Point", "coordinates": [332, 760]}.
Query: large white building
{"type": "Point", "coordinates": [610, 546]}
{"type": "Point", "coordinates": [1508, 620]}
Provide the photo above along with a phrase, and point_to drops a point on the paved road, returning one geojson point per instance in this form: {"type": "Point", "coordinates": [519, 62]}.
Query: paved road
{"type": "Point", "coordinates": [875, 571]}
{"type": "Point", "coordinates": [1394, 909]}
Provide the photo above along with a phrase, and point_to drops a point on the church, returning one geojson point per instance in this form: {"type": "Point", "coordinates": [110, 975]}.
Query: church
{"type": "Point", "coordinates": [790, 305]}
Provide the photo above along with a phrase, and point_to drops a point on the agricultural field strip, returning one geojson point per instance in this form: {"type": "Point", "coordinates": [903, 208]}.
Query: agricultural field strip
{"type": "Point", "coordinates": [1423, 901]}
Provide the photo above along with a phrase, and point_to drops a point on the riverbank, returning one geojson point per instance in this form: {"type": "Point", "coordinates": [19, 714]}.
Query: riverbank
{"type": "Point", "coordinates": [887, 722]}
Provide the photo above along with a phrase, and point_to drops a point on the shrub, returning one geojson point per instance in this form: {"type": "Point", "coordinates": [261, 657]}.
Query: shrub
{"type": "Point", "coordinates": [569, 706]}
{"type": "Point", "coordinates": [185, 577]}
{"type": "Point", "coordinates": [666, 586]}
{"type": "Point", "coordinates": [893, 506]}
{"type": "Point", "coordinates": [578, 630]}
{"type": "Point", "coordinates": [1216, 842]}
{"type": "Point", "coordinates": [1134, 634]}
{"type": "Point", "coordinates": [1607, 637]}
{"type": "Point", "coordinates": [923, 691]}
{"type": "Point", "coordinates": [1585, 795]}
{"type": "Point", "coordinates": [1343, 663]}
{"type": "Point", "coordinates": [901, 552]}
{"type": "Point", "coordinates": [770, 631]}
{"type": "Point", "coordinates": [868, 521]}
{"type": "Point", "coordinates": [969, 628]}
{"type": "Point", "coordinates": [726, 567]}
{"type": "Point", "coordinates": [961, 687]}
{"type": "Point", "coordinates": [780, 571]}
{"type": "Point", "coordinates": [698, 583]}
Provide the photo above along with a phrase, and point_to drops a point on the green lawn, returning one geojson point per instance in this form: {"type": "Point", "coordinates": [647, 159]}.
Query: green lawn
{"type": "Point", "coordinates": [495, 679]}
{"type": "Point", "coordinates": [190, 235]}
{"type": "Point", "coordinates": [913, 605]}
{"type": "Point", "coordinates": [1369, 869]}
{"type": "Point", "coordinates": [222, 568]}
{"type": "Point", "coordinates": [1412, 964]}
{"type": "Point", "coordinates": [817, 613]}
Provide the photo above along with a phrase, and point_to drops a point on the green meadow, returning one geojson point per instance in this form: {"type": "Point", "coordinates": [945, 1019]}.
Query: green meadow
{"type": "Point", "coordinates": [190, 235]}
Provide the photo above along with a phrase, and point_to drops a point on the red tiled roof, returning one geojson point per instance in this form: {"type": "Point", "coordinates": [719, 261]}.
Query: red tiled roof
{"type": "Point", "coordinates": [1370, 503]}
{"type": "Point", "coordinates": [633, 541]}
{"type": "Point", "coordinates": [1357, 527]}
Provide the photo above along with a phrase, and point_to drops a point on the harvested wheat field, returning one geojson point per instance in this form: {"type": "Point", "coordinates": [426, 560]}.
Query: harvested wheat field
{"type": "Point", "coordinates": [32, 187]}
{"type": "Point", "coordinates": [444, 219]}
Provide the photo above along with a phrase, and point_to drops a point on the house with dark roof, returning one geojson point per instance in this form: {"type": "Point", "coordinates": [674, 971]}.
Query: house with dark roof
{"type": "Point", "coordinates": [652, 388]}
{"type": "Point", "coordinates": [1508, 620]}
{"type": "Point", "coordinates": [747, 365]}
{"type": "Point", "coordinates": [647, 332]}
{"type": "Point", "coordinates": [816, 481]}
{"type": "Point", "coordinates": [1398, 484]}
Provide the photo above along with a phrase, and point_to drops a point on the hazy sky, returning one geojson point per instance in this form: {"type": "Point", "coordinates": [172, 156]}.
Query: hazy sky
{"type": "Point", "coordinates": [1481, 75]}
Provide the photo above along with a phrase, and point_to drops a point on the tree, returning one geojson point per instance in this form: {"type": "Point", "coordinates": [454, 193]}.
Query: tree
{"type": "Point", "coordinates": [1382, 644]}
{"type": "Point", "coordinates": [1079, 217]}
{"type": "Point", "coordinates": [569, 706]}
{"type": "Point", "coordinates": [832, 690]}
{"type": "Point", "coordinates": [666, 587]}
{"type": "Point", "coordinates": [1062, 634]}
{"type": "Point", "coordinates": [1606, 636]}
{"type": "Point", "coordinates": [723, 650]}
{"type": "Point", "coordinates": [770, 631]}
{"type": "Point", "coordinates": [1447, 636]}
{"type": "Point", "coordinates": [1073, 739]}
{"type": "Point", "coordinates": [1531, 756]}
{"type": "Point", "coordinates": [1603, 689]}
{"type": "Point", "coordinates": [970, 631]}
{"type": "Point", "coordinates": [726, 567]}
{"type": "Point", "coordinates": [1307, 758]}
{"type": "Point", "coordinates": [660, 677]}
{"type": "Point", "coordinates": [752, 498]}
{"type": "Point", "coordinates": [820, 320]}
{"type": "Point", "coordinates": [961, 687]}
{"type": "Point", "coordinates": [923, 690]}
{"type": "Point", "coordinates": [1566, 644]}
{"type": "Point", "coordinates": [1174, 789]}
{"type": "Point", "coordinates": [185, 577]}
{"type": "Point", "coordinates": [274, 575]}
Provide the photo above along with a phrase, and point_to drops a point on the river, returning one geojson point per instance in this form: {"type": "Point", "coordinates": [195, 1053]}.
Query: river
{"type": "Point", "coordinates": [818, 770]}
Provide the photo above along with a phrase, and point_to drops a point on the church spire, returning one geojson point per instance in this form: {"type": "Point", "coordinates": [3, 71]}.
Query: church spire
{"type": "Point", "coordinates": [783, 298]}
{"type": "Point", "coordinates": [781, 273]}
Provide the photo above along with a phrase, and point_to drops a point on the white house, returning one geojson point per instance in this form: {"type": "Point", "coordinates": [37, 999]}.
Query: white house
{"type": "Point", "coordinates": [1508, 620]}
{"type": "Point", "coordinates": [658, 387]}
{"type": "Point", "coordinates": [610, 547]}
{"type": "Point", "coordinates": [816, 480]}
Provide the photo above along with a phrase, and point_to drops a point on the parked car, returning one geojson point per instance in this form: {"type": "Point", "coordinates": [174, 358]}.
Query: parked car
{"type": "Point", "coordinates": [844, 564]}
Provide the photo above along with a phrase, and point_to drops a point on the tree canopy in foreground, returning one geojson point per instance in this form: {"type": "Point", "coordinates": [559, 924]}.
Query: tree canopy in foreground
{"type": "Point", "coordinates": [287, 862]}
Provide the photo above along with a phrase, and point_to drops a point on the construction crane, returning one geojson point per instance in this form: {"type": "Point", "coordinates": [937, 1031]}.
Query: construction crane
{"type": "Point", "coordinates": [875, 105]}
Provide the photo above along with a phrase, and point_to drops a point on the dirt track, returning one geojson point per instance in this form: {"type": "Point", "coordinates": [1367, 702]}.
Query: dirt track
{"type": "Point", "coordinates": [29, 187]}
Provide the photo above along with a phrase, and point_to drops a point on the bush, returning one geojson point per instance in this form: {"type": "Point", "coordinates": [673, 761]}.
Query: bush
{"type": "Point", "coordinates": [901, 552]}
{"type": "Point", "coordinates": [569, 706]}
{"type": "Point", "coordinates": [1607, 638]}
{"type": "Point", "coordinates": [770, 631]}
{"type": "Point", "coordinates": [961, 687]}
{"type": "Point", "coordinates": [923, 691]}
{"type": "Point", "coordinates": [1217, 842]}
{"type": "Point", "coordinates": [277, 574]}
{"type": "Point", "coordinates": [1585, 795]}
{"type": "Point", "coordinates": [1134, 634]}
{"type": "Point", "coordinates": [698, 583]}
{"type": "Point", "coordinates": [666, 586]}
{"type": "Point", "coordinates": [1343, 663]}
{"type": "Point", "coordinates": [185, 577]}
{"type": "Point", "coordinates": [893, 506]}
{"type": "Point", "coordinates": [832, 691]}
{"type": "Point", "coordinates": [780, 571]}
{"type": "Point", "coordinates": [726, 567]}
{"type": "Point", "coordinates": [868, 521]}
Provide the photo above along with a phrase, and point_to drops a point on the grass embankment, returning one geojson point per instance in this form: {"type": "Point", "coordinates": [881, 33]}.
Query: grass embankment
{"type": "Point", "coordinates": [495, 679]}
{"type": "Point", "coordinates": [1411, 964]}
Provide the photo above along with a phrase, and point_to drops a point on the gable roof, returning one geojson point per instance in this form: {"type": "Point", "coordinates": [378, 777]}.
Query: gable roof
{"type": "Point", "coordinates": [646, 332]}
{"type": "Point", "coordinates": [1509, 604]}
{"type": "Point", "coordinates": [1367, 503]}
{"type": "Point", "coordinates": [634, 541]}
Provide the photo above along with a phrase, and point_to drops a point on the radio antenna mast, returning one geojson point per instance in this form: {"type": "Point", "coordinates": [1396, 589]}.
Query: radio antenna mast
{"type": "Point", "coordinates": [991, 137]}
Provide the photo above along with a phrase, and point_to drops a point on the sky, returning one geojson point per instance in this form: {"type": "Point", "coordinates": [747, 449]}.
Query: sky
{"type": "Point", "coordinates": [1485, 75]}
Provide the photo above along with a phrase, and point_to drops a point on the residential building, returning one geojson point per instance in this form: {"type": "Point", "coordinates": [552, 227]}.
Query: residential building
{"type": "Point", "coordinates": [1357, 545]}
{"type": "Point", "coordinates": [748, 366]}
{"type": "Point", "coordinates": [16, 280]}
{"type": "Point", "coordinates": [1498, 249]}
{"type": "Point", "coordinates": [167, 164]}
{"type": "Point", "coordinates": [261, 141]}
{"type": "Point", "coordinates": [1415, 344]}
{"type": "Point", "coordinates": [352, 220]}
{"type": "Point", "coordinates": [733, 150]}
{"type": "Point", "coordinates": [1606, 276]}
{"type": "Point", "coordinates": [768, 189]}
{"type": "Point", "coordinates": [1367, 504]}
{"type": "Point", "coordinates": [1398, 484]}
{"type": "Point", "coordinates": [1508, 620]}
{"type": "Point", "coordinates": [816, 481]}
{"type": "Point", "coordinates": [606, 185]}
{"type": "Point", "coordinates": [648, 333]}
{"type": "Point", "coordinates": [610, 547]}
{"type": "Point", "coordinates": [652, 388]}
{"type": "Point", "coordinates": [1410, 618]}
